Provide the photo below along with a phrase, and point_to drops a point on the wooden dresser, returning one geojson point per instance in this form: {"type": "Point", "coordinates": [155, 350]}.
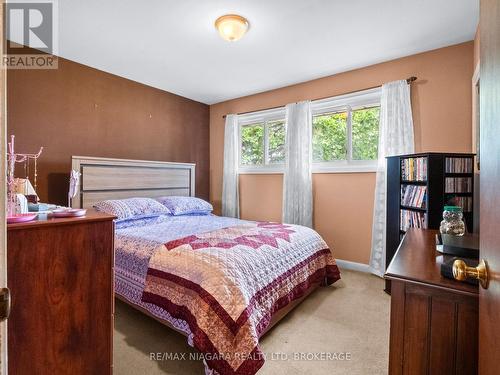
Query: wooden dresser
{"type": "Point", "coordinates": [60, 273]}
{"type": "Point", "coordinates": [434, 320]}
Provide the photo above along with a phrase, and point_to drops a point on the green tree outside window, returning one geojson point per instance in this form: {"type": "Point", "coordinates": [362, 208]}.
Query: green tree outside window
{"type": "Point", "coordinates": [252, 144]}
{"type": "Point", "coordinates": [329, 138]}
{"type": "Point", "coordinates": [365, 124]}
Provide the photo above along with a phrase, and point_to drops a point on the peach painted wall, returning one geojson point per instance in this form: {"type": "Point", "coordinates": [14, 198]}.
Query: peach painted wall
{"type": "Point", "coordinates": [477, 45]}
{"type": "Point", "coordinates": [343, 202]}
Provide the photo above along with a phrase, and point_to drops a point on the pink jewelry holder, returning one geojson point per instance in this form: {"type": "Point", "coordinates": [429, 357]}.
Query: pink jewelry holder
{"type": "Point", "coordinates": [12, 159]}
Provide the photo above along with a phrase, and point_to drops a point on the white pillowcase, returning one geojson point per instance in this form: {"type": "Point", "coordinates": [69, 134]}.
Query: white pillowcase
{"type": "Point", "coordinates": [178, 205]}
{"type": "Point", "coordinates": [132, 208]}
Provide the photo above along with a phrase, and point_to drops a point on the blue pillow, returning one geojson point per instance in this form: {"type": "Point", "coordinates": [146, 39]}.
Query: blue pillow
{"type": "Point", "coordinates": [132, 208]}
{"type": "Point", "coordinates": [186, 205]}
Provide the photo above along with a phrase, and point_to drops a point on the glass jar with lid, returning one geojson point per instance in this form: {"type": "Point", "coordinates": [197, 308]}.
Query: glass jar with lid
{"type": "Point", "coordinates": [453, 222]}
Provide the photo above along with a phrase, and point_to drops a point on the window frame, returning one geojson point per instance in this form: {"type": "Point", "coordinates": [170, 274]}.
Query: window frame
{"type": "Point", "coordinates": [348, 102]}
{"type": "Point", "coordinates": [263, 118]}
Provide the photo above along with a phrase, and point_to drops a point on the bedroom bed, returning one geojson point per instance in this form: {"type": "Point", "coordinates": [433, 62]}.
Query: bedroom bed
{"type": "Point", "coordinates": [221, 282]}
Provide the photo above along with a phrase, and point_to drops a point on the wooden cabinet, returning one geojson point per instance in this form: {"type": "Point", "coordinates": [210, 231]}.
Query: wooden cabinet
{"type": "Point", "coordinates": [434, 320]}
{"type": "Point", "coordinates": [60, 273]}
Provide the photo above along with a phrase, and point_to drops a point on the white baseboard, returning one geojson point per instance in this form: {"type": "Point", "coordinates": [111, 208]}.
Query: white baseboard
{"type": "Point", "coordinates": [348, 265]}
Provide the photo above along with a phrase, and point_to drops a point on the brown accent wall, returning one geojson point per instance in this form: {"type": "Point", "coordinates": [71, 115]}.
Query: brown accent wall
{"type": "Point", "coordinates": [78, 110]}
{"type": "Point", "coordinates": [343, 202]}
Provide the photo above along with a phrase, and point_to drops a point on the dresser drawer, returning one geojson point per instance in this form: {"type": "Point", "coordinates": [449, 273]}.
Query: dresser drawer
{"type": "Point", "coordinates": [61, 280]}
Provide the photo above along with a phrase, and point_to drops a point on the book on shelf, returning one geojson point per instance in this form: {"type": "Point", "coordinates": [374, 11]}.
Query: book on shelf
{"type": "Point", "coordinates": [458, 165]}
{"type": "Point", "coordinates": [413, 196]}
{"type": "Point", "coordinates": [464, 202]}
{"type": "Point", "coordinates": [414, 169]}
{"type": "Point", "coordinates": [458, 185]}
{"type": "Point", "coordinates": [412, 219]}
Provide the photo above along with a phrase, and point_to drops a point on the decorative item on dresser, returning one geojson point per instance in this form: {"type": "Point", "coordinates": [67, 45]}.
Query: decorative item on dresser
{"type": "Point", "coordinates": [14, 184]}
{"type": "Point", "coordinates": [434, 320]}
{"type": "Point", "coordinates": [60, 273]}
{"type": "Point", "coordinates": [418, 188]}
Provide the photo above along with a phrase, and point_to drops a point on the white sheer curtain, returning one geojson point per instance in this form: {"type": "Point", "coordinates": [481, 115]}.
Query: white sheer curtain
{"type": "Point", "coordinates": [230, 195]}
{"type": "Point", "coordinates": [395, 138]}
{"type": "Point", "coordinates": [297, 180]}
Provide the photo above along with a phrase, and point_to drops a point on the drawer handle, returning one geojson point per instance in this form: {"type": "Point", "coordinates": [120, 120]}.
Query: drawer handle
{"type": "Point", "coordinates": [461, 272]}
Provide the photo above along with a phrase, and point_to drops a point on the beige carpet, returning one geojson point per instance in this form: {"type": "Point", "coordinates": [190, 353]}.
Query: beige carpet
{"type": "Point", "coordinates": [351, 316]}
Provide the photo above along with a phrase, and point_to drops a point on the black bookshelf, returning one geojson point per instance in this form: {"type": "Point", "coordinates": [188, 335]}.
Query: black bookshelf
{"type": "Point", "coordinates": [434, 182]}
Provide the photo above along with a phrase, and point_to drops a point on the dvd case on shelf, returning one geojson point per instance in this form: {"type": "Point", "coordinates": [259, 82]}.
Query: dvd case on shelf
{"type": "Point", "coordinates": [414, 169]}
{"type": "Point", "coordinates": [458, 165]}
{"type": "Point", "coordinates": [413, 196]}
{"type": "Point", "coordinates": [458, 185]}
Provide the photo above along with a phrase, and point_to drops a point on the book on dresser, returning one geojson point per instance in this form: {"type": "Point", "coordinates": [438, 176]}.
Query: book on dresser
{"type": "Point", "coordinates": [419, 186]}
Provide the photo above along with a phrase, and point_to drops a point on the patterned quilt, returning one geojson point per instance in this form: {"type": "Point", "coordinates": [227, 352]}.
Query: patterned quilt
{"type": "Point", "coordinates": [227, 283]}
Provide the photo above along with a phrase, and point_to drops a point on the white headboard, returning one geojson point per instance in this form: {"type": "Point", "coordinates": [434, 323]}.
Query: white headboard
{"type": "Point", "coordinates": [106, 178]}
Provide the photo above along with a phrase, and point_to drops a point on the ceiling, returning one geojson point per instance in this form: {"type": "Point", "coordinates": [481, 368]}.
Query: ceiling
{"type": "Point", "coordinates": [173, 45]}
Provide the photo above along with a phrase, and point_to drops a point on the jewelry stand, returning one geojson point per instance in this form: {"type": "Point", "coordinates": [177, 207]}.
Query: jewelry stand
{"type": "Point", "coordinates": [12, 159]}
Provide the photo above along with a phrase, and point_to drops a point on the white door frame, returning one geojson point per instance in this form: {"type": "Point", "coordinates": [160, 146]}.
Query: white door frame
{"type": "Point", "coordinates": [475, 143]}
{"type": "Point", "coordinates": [3, 230]}
{"type": "Point", "coordinates": [475, 110]}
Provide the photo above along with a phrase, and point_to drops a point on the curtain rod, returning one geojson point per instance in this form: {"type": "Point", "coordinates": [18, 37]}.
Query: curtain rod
{"type": "Point", "coordinates": [408, 81]}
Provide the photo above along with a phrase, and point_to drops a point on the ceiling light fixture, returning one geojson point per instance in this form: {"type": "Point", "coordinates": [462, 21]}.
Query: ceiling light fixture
{"type": "Point", "coordinates": [231, 27]}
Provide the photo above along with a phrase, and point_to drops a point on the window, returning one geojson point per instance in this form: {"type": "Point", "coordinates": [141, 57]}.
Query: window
{"type": "Point", "coordinates": [262, 141]}
{"type": "Point", "coordinates": [345, 132]}
{"type": "Point", "coordinates": [344, 135]}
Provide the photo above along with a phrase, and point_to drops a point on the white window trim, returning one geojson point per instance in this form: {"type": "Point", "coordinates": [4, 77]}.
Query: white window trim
{"type": "Point", "coordinates": [360, 99]}
{"type": "Point", "coordinates": [262, 169]}
{"type": "Point", "coordinates": [344, 166]}
{"type": "Point", "coordinates": [262, 116]}
{"type": "Point", "coordinates": [356, 99]}
{"type": "Point", "coordinates": [355, 166]}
